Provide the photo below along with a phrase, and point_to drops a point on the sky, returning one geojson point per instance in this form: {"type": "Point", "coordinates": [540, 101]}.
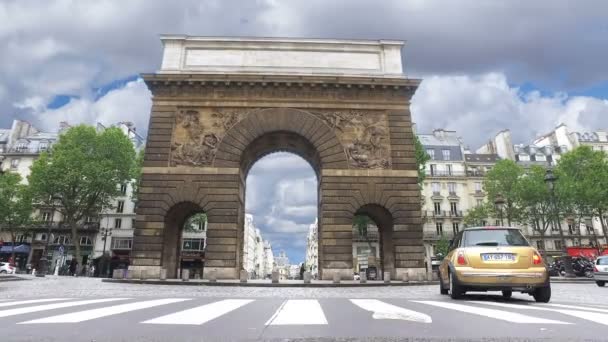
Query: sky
{"type": "Point", "coordinates": [486, 66]}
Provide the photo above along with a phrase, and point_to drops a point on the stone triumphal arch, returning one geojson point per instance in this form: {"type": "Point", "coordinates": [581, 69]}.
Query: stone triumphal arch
{"type": "Point", "coordinates": [220, 104]}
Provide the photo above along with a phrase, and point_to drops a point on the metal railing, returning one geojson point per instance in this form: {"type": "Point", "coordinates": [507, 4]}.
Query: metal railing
{"type": "Point", "coordinates": [446, 173]}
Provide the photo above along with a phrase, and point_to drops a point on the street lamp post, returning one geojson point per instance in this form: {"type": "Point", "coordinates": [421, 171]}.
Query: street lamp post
{"type": "Point", "coordinates": [499, 202]}
{"type": "Point", "coordinates": [550, 180]}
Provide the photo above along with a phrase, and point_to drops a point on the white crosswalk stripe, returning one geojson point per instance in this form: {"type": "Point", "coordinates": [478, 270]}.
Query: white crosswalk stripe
{"type": "Point", "coordinates": [492, 313]}
{"type": "Point", "coordinates": [384, 310]}
{"type": "Point", "coordinates": [87, 315]}
{"type": "Point", "coordinates": [32, 301]}
{"type": "Point", "coordinates": [201, 314]}
{"type": "Point", "coordinates": [37, 308]}
{"type": "Point", "coordinates": [587, 308]}
{"type": "Point", "coordinates": [596, 317]}
{"type": "Point", "coordinates": [298, 312]}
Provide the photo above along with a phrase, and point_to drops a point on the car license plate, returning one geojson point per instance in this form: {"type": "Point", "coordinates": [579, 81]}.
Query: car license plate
{"type": "Point", "coordinates": [498, 257]}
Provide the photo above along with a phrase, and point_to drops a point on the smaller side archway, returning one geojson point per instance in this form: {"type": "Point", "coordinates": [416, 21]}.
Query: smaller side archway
{"type": "Point", "coordinates": [383, 220]}
{"type": "Point", "coordinates": [175, 221]}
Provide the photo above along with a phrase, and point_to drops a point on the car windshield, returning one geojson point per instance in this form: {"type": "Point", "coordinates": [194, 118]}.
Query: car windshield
{"type": "Point", "coordinates": [602, 261]}
{"type": "Point", "coordinates": [494, 237]}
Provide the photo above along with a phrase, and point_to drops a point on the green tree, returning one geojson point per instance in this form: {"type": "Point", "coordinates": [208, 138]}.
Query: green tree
{"type": "Point", "coordinates": [503, 180]}
{"type": "Point", "coordinates": [83, 172]}
{"type": "Point", "coordinates": [535, 200]}
{"type": "Point", "coordinates": [361, 222]}
{"type": "Point", "coordinates": [478, 215]}
{"type": "Point", "coordinates": [421, 158]}
{"type": "Point", "coordinates": [195, 221]}
{"type": "Point", "coordinates": [15, 205]}
{"type": "Point", "coordinates": [442, 246]}
{"type": "Point", "coordinates": [137, 173]}
{"type": "Point", "coordinates": [582, 185]}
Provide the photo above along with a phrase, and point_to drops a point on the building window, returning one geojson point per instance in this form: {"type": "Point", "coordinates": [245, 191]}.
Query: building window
{"type": "Point", "coordinates": [455, 228]}
{"type": "Point", "coordinates": [20, 238]}
{"type": "Point", "coordinates": [436, 188]}
{"type": "Point", "coordinates": [21, 147]}
{"type": "Point", "coordinates": [571, 228]}
{"type": "Point", "coordinates": [85, 241]}
{"type": "Point", "coordinates": [558, 245]}
{"type": "Point", "coordinates": [62, 240]}
{"type": "Point", "coordinates": [121, 243]}
{"type": "Point", "coordinates": [120, 207]}
{"type": "Point", "coordinates": [590, 230]}
{"type": "Point", "coordinates": [554, 228]}
{"type": "Point", "coordinates": [433, 170]}
{"type": "Point", "coordinates": [14, 163]}
{"type": "Point", "coordinates": [452, 188]}
{"type": "Point", "coordinates": [439, 227]}
{"type": "Point", "coordinates": [540, 245]}
{"type": "Point", "coordinates": [497, 223]}
{"type": "Point", "coordinates": [484, 223]}
{"type": "Point", "coordinates": [117, 223]}
{"type": "Point", "coordinates": [453, 208]}
{"type": "Point", "coordinates": [446, 154]}
{"type": "Point", "coordinates": [43, 146]}
{"type": "Point", "coordinates": [193, 245]}
{"type": "Point", "coordinates": [437, 207]}
{"type": "Point", "coordinates": [42, 237]}
{"type": "Point", "coordinates": [431, 153]}
{"type": "Point", "coordinates": [448, 169]}
{"type": "Point", "coordinates": [479, 202]}
{"type": "Point", "coordinates": [477, 186]}
{"type": "Point", "coordinates": [46, 216]}
{"type": "Point", "coordinates": [541, 157]}
{"type": "Point", "coordinates": [123, 189]}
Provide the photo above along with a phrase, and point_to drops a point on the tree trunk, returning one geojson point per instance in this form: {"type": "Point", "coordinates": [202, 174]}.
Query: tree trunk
{"type": "Point", "coordinates": [601, 214]}
{"type": "Point", "coordinates": [76, 241]}
{"type": "Point", "coordinates": [13, 247]}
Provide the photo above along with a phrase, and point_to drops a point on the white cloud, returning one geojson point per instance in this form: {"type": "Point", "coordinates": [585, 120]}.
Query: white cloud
{"type": "Point", "coordinates": [477, 107]}
{"type": "Point", "coordinates": [129, 103]}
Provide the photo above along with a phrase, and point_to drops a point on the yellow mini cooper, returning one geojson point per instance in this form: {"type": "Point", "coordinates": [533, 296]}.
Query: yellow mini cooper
{"type": "Point", "coordinates": [493, 259]}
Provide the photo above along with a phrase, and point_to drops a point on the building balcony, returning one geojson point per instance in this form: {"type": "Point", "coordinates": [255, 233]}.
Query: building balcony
{"type": "Point", "coordinates": [437, 214]}
{"type": "Point", "coordinates": [456, 214]}
{"type": "Point", "coordinates": [446, 173]}
{"type": "Point", "coordinates": [476, 173]}
{"type": "Point", "coordinates": [26, 150]}
{"type": "Point", "coordinates": [62, 226]}
{"type": "Point", "coordinates": [433, 236]}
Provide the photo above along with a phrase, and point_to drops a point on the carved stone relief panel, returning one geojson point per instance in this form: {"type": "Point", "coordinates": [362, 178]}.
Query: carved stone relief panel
{"type": "Point", "coordinates": [198, 132]}
{"type": "Point", "coordinates": [364, 135]}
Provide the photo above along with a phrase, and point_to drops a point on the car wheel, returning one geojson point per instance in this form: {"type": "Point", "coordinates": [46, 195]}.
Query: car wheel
{"type": "Point", "coordinates": [600, 283]}
{"type": "Point", "coordinates": [442, 290]}
{"type": "Point", "coordinates": [3, 272]}
{"type": "Point", "coordinates": [507, 294]}
{"type": "Point", "coordinates": [542, 294]}
{"type": "Point", "coordinates": [456, 291]}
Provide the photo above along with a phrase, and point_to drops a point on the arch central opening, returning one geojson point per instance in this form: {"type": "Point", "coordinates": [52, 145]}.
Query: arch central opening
{"type": "Point", "coordinates": [280, 174]}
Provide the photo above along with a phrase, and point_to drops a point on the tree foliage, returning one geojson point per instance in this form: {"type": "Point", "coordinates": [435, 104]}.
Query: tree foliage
{"type": "Point", "coordinates": [195, 221]}
{"type": "Point", "coordinates": [421, 159]}
{"type": "Point", "coordinates": [478, 215]}
{"type": "Point", "coordinates": [534, 199]}
{"type": "Point", "coordinates": [442, 246]}
{"type": "Point", "coordinates": [83, 173]}
{"type": "Point", "coordinates": [361, 222]}
{"type": "Point", "coordinates": [15, 205]}
{"type": "Point", "coordinates": [582, 185]}
{"type": "Point", "coordinates": [137, 172]}
{"type": "Point", "coordinates": [503, 180]}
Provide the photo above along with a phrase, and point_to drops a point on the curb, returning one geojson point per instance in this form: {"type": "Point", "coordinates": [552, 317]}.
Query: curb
{"type": "Point", "coordinates": [239, 284]}
{"type": "Point", "coordinates": [11, 278]}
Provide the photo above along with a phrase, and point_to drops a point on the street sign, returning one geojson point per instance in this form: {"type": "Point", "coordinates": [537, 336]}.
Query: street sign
{"type": "Point", "coordinates": [61, 249]}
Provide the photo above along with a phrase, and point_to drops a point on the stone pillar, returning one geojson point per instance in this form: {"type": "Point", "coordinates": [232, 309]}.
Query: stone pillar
{"type": "Point", "coordinates": [362, 277]}
{"type": "Point", "coordinates": [185, 274]}
{"type": "Point", "coordinates": [275, 277]}
{"type": "Point", "coordinates": [307, 277]}
{"type": "Point", "coordinates": [387, 277]}
{"type": "Point", "coordinates": [244, 276]}
{"type": "Point", "coordinates": [163, 274]}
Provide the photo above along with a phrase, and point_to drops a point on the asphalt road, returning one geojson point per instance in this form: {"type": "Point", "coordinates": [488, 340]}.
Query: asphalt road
{"type": "Point", "coordinates": [355, 315]}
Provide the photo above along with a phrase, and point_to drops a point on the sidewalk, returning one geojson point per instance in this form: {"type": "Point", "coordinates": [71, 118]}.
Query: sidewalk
{"type": "Point", "coordinates": [268, 283]}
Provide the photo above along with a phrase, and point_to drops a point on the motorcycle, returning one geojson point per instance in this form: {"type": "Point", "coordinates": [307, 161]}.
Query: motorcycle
{"type": "Point", "coordinates": [581, 267]}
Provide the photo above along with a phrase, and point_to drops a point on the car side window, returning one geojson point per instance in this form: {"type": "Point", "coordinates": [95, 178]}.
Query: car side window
{"type": "Point", "coordinates": [455, 242]}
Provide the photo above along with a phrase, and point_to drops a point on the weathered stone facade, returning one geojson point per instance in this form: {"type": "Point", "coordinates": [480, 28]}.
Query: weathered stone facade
{"type": "Point", "coordinates": [207, 130]}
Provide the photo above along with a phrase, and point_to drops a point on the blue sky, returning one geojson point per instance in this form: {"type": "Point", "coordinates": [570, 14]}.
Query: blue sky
{"type": "Point", "coordinates": [486, 66]}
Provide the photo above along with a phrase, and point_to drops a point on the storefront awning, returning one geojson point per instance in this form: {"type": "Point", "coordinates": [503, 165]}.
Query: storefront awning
{"type": "Point", "coordinates": [22, 249]}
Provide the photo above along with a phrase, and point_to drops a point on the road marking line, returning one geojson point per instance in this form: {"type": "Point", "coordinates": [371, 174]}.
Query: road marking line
{"type": "Point", "coordinates": [384, 310]}
{"type": "Point", "coordinates": [87, 315]}
{"type": "Point", "coordinates": [298, 312]}
{"type": "Point", "coordinates": [201, 314]}
{"type": "Point", "coordinates": [32, 301]}
{"type": "Point", "coordinates": [576, 307]}
{"type": "Point", "coordinates": [492, 313]}
{"type": "Point", "coordinates": [19, 311]}
{"type": "Point", "coordinates": [600, 318]}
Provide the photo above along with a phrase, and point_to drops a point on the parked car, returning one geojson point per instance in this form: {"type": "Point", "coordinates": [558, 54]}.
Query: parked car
{"type": "Point", "coordinates": [6, 268]}
{"type": "Point", "coordinates": [600, 270]}
{"type": "Point", "coordinates": [493, 259]}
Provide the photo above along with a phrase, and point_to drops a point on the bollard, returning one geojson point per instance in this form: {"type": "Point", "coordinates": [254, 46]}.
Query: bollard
{"type": "Point", "coordinates": [405, 277]}
{"type": "Point", "coordinates": [307, 277]}
{"type": "Point", "coordinates": [244, 276]}
{"type": "Point", "coordinates": [163, 274]}
{"type": "Point", "coordinates": [185, 274]}
{"type": "Point", "coordinates": [336, 278]}
{"type": "Point", "coordinates": [275, 277]}
{"type": "Point", "coordinates": [362, 277]}
{"type": "Point", "coordinates": [212, 276]}
{"type": "Point", "coordinates": [118, 274]}
{"type": "Point", "coordinates": [387, 277]}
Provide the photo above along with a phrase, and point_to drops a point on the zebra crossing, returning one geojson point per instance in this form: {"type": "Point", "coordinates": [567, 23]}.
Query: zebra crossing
{"type": "Point", "coordinates": [291, 312]}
